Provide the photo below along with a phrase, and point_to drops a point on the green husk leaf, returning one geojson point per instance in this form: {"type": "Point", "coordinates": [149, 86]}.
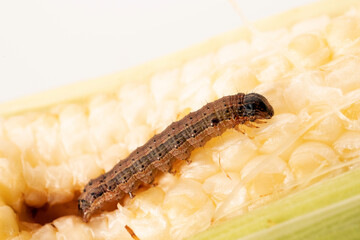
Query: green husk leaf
{"type": "Point", "coordinates": [327, 210]}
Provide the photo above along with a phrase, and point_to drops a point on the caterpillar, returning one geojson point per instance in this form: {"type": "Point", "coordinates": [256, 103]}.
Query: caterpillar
{"type": "Point", "coordinates": [176, 142]}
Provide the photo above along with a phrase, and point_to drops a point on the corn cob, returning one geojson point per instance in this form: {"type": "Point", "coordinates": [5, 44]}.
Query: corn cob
{"type": "Point", "coordinates": [306, 157]}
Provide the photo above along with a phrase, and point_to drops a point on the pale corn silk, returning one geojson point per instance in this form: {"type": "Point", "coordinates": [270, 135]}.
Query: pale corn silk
{"type": "Point", "coordinates": [309, 73]}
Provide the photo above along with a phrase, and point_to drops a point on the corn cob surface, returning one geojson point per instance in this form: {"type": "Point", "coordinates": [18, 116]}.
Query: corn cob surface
{"type": "Point", "coordinates": [308, 71]}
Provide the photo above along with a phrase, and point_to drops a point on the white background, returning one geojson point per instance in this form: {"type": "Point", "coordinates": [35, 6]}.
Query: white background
{"type": "Point", "coordinates": [49, 43]}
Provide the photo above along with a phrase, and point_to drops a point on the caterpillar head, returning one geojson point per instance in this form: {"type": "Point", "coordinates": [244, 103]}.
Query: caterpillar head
{"type": "Point", "coordinates": [257, 106]}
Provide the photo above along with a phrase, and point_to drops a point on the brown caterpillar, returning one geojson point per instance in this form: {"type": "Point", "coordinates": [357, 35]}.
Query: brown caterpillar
{"type": "Point", "coordinates": [174, 143]}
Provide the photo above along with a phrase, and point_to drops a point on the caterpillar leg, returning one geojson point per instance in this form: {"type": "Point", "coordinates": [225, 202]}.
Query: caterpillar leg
{"type": "Point", "coordinates": [249, 124]}
{"type": "Point", "coordinates": [238, 128]}
{"type": "Point", "coordinates": [131, 195]}
{"type": "Point", "coordinates": [260, 121]}
{"type": "Point", "coordinates": [172, 171]}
